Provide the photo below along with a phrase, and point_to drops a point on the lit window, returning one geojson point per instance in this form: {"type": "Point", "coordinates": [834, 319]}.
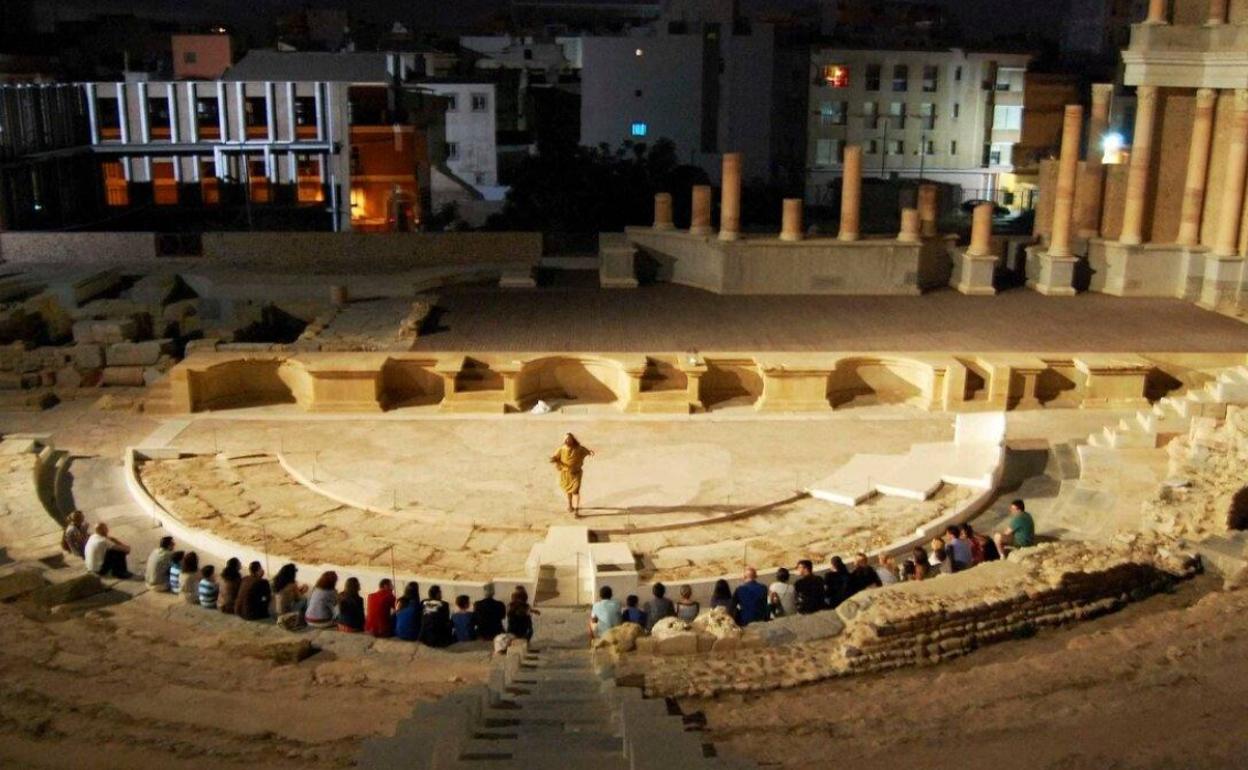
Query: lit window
{"type": "Point", "coordinates": [835, 76]}
{"type": "Point", "coordinates": [640, 129]}
{"type": "Point", "coordinates": [833, 113]}
{"type": "Point", "coordinates": [828, 152]}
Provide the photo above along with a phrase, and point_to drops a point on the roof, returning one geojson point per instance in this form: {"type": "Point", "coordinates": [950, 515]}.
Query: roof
{"type": "Point", "coordinates": [346, 67]}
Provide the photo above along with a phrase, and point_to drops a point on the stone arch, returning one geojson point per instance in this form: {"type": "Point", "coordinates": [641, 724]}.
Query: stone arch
{"type": "Point", "coordinates": [246, 382]}
{"type": "Point", "coordinates": [879, 380]}
{"type": "Point", "coordinates": [583, 379]}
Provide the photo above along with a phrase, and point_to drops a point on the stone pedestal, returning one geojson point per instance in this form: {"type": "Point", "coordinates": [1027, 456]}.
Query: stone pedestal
{"type": "Point", "coordinates": [1113, 380]}
{"type": "Point", "coordinates": [791, 220]}
{"type": "Point", "coordinates": [928, 210]}
{"type": "Point", "coordinates": [616, 261]}
{"type": "Point", "coordinates": [1220, 287]}
{"type": "Point", "coordinates": [1056, 276]}
{"type": "Point", "coordinates": [851, 194]}
{"type": "Point", "coordinates": [663, 211]}
{"type": "Point", "coordinates": [1011, 381]}
{"type": "Point", "coordinates": [730, 198]}
{"type": "Point", "coordinates": [911, 228]}
{"type": "Point", "coordinates": [977, 264]}
{"type": "Point", "coordinates": [700, 216]}
{"type": "Point", "coordinates": [793, 389]}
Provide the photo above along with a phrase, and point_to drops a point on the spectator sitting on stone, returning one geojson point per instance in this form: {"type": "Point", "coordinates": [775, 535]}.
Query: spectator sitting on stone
{"type": "Point", "coordinates": [605, 614]}
{"type": "Point", "coordinates": [686, 608]}
{"type": "Point", "coordinates": [379, 621]}
{"type": "Point", "coordinates": [959, 548]}
{"type": "Point", "coordinates": [188, 581]}
{"type": "Point", "coordinates": [938, 561]}
{"type": "Point", "coordinates": [435, 620]}
{"type": "Point", "coordinates": [809, 589]}
{"type": "Point", "coordinates": [1019, 532]}
{"type": "Point", "coordinates": [886, 570]}
{"type": "Point", "coordinates": [351, 607]}
{"type": "Point", "coordinates": [488, 614]}
{"type": "Point", "coordinates": [175, 571]}
{"type": "Point", "coordinates": [632, 613]}
{"type": "Point", "coordinates": [781, 598]}
{"type": "Point", "coordinates": [749, 601]}
{"type": "Point", "coordinates": [289, 595]}
{"type": "Point", "coordinates": [229, 581]}
{"type": "Point", "coordinates": [254, 594]}
{"type": "Point", "coordinates": [836, 583]}
{"type": "Point", "coordinates": [862, 576]}
{"type": "Point", "coordinates": [461, 620]}
{"type": "Point", "coordinates": [408, 616]}
{"type": "Point", "coordinates": [208, 590]}
{"type": "Point", "coordinates": [74, 539]}
{"type": "Point", "coordinates": [322, 601]}
{"type": "Point", "coordinates": [918, 561]}
{"type": "Point", "coordinates": [156, 575]}
{"type": "Point", "coordinates": [721, 596]}
{"type": "Point", "coordinates": [106, 555]}
{"type": "Point", "coordinates": [659, 606]}
{"type": "Point", "coordinates": [520, 614]}
{"type": "Point", "coordinates": [982, 548]}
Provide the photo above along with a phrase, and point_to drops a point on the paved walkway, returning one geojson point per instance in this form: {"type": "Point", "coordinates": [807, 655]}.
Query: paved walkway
{"type": "Point", "coordinates": [675, 318]}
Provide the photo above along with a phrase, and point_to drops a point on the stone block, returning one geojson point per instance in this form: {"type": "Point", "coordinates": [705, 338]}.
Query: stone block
{"type": "Point", "coordinates": [20, 583]}
{"type": "Point", "coordinates": [87, 356]}
{"type": "Point", "coordinates": [71, 590]}
{"type": "Point", "coordinates": [105, 331]}
{"type": "Point", "coordinates": [679, 644]}
{"type": "Point", "coordinates": [706, 642]}
{"type": "Point", "coordinates": [68, 377]}
{"type": "Point", "coordinates": [76, 290]}
{"type": "Point", "coordinates": [646, 645]}
{"type": "Point", "coordinates": [157, 289]}
{"type": "Point", "coordinates": [136, 353]}
{"type": "Point", "coordinates": [726, 645]}
{"type": "Point", "coordinates": [130, 376]}
{"type": "Point", "coordinates": [205, 345]}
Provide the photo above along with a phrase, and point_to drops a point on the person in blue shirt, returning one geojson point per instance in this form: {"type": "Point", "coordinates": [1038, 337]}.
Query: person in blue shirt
{"type": "Point", "coordinates": [463, 624]}
{"type": "Point", "coordinates": [749, 601]}
{"type": "Point", "coordinates": [633, 614]}
{"type": "Point", "coordinates": [407, 619]}
{"type": "Point", "coordinates": [604, 615]}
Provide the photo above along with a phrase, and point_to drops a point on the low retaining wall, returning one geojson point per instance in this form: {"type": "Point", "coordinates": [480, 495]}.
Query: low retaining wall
{"type": "Point", "coordinates": [79, 249]}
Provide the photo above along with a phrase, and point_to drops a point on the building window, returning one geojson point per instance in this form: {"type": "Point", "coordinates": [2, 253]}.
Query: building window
{"type": "Point", "coordinates": [873, 147]}
{"type": "Point", "coordinates": [927, 116]}
{"type": "Point", "coordinates": [953, 146]}
{"type": "Point", "coordinates": [106, 113]}
{"type": "Point", "coordinates": [901, 77]}
{"type": "Point", "coordinates": [639, 129]}
{"type": "Point", "coordinates": [896, 147]}
{"type": "Point", "coordinates": [832, 113]}
{"type": "Point", "coordinates": [158, 112]}
{"type": "Point", "coordinates": [931, 79]}
{"type": "Point", "coordinates": [1007, 118]}
{"type": "Point", "coordinates": [929, 147]}
{"type": "Point", "coordinates": [480, 103]}
{"type": "Point", "coordinates": [452, 150]}
{"type": "Point", "coordinates": [190, 57]}
{"type": "Point", "coordinates": [452, 102]}
{"type": "Point", "coordinates": [528, 54]}
{"type": "Point", "coordinates": [1000, 154]}
{"type": "Point", "coordinates": [254, 107]}
{"type": "Point", "coordinates": [957, 110]}
{"type": "Point", "coordinates": [873, 77]}
{"type": "Point", "coordinates": [835, 76]}
{"type": "Point", "coordinates": [305, 111]}
{"type": "Point", "coordinates": [957, 74]}
{"type": "Point", "coordinates": [828, 152]}
{"type": "Point", "coordinates": [897, 114]}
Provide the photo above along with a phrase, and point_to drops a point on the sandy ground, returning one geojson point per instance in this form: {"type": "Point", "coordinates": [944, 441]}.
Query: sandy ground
{"type": "Point", "coordinates": [1158, 685]}
{"type": "Point", "coordinates": [152, 682]}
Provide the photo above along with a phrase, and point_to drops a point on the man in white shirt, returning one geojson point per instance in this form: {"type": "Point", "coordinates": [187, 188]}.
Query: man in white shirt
{"type": "Point", "coordinates": [106, 555]}
{"type": "Point", "coordinates": [782, 597]}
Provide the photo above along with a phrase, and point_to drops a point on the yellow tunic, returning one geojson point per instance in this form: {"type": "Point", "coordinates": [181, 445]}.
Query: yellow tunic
{"type": "Point", "coordinates": [569, 461]}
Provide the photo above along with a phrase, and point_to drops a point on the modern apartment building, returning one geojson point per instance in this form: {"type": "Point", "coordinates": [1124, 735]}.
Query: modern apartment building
{"type": "Point", "coordinates": [949, 115]}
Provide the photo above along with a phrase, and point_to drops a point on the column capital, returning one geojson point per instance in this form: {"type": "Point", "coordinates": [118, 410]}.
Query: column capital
{"type": "Point", "coordinates": [1146, 93]}
{"type": "Point", "coordinates": [1101, 92]}
{"type": "Point", "coordinates": [1206, 97]}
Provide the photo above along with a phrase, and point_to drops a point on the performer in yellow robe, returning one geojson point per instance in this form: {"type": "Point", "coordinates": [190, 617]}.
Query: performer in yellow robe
{"type": "Point", "coordinates": [569, 460]}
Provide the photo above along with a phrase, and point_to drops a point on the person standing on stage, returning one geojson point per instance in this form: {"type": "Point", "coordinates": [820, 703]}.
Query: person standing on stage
{"type": "Point", "coordinates": [569, 460]}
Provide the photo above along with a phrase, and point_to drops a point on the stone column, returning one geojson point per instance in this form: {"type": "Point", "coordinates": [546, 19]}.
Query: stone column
{"type": "Point", "coordinates": [730, 198]}
{"type": "Point", "coordinates": [663, 211]}
{"type": "Point", "coordinates": [700, 219]}
{"type": "Point", "coordinates": [1156, 12]}
{"type": "Point", "coordinates": [851, 193]}
{"type": "Point", "coordinates": [1137, 172]}
{"type": "Point", "coordinates": [791, 220]}
{"type": "Point", "coordinates": [910, 227]}
{"type": "Point", "coordinates": [1197, 168]}
{"type": "Point", "coordinates": [981, 231]}
{"type": "Point", "coordinates": [1068, 166]}
{"type": "Point", "coordinates": [927, 210]}
{"type": "Point", "coordinates": [1093, 174]}
{"type": "Point", "coordinates": [1231, 210]}
{"type": "Point", "coordinates": [1217, 13]}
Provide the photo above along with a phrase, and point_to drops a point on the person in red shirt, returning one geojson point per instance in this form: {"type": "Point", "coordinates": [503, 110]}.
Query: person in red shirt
{"type": "Point", "coordinates": [379, 616]}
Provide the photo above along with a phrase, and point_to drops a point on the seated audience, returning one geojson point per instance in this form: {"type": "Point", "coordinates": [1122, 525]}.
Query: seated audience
{"type": "Point", "coordinates": [106, 555]}
{"type": "Point", "coordinates": [982, 548]}
{"type": "Point", "coordinates": [288, 594]}
{"type": "Point", "coordinates": [229, 581]}
{"type": "Point", "coordinates": [488, 614]}
{"type": "Point", "coordinates": [74, 540]}
{"type": "Point", "coordinates": [862, 576]}
{"type": "Point", "coordinates": [1019, 532]}
{"type": "Point", "coordinates": [749, 601]}
{"type": "Point", "coordinates": [435, 620]}
{"type": "Point", "coordinates": [836, 583]}
{"type": "Point", "coordinates": [156, 575]}
{"type": "Point", "coordinates": [917, 560]}
{"type": "Point", "coordinates": [632, 613]}
{"type": "Point", "coordinates": [409, 614]}
{"type": "Point", "coordinates": [379, 620]}
{"type": "Point", "coordinates": [254, 594]}
{"type": "Point", "coordinates": [604, 615]}
{"type": "Point", "coordinates": [959, 548]}
{"type": "Point", "coordinates": [322, 601]}
{"type": "Point", "coordinates": [721, 595]}
{"type": "Point", "coordinates": [520, 614]}
{"type": "Point", "coordinates": [175, 571]}
{"type": "Point", "coordinates": [886, 570]}
{"type": "Point", "coordinates": [208, 590]}
{"type": "Point", "coordinates": [351, 607]}
{"type": "Point", "coordinates": [658, 607]}
{"type": "Point", "coordinates": [686, 608]}
{"type": "Point", "coordinates": [462, 620]}
{"type": "Point", "coordinates": [188, 583]}
{"type": "Point", "coordinates": [809, 589]}
{"type": "Point", "coordinates": [938, 561]}
{"type": "Point", "coordinates": [781, 598]}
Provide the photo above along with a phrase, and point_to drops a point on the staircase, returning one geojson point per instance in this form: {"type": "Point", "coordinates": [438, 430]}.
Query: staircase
{"type": "Point", "coordinates": [158, 399]}
{"type": "Point", "coordinates": [1172, 415]}
{"type": "Point", "coordinates": [544, 710]}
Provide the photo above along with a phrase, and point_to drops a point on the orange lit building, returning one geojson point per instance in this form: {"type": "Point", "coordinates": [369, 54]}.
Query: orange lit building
{"type": "Point", "coordinates": [201, 57]}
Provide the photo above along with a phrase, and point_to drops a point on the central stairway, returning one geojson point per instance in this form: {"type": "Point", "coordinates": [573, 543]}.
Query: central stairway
{"type": "Point", "coordinates": [549, 709]}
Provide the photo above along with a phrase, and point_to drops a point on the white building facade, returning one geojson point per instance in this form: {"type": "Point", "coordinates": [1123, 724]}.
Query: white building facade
{"type": "Point", "coordinates": [471, 139]}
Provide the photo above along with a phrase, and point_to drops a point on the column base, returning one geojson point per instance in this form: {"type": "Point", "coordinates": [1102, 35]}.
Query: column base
{"type": "Point", "coordinates": [1057, 275]}
{"type": "Point", "coordinates": [1220, 287]}
{"type": "Point", "coordinates": [664, 226]}
{"type": "Point", "coordinates": [729, 235]}
{"type": "Point", "coordinates": [976, 272]}
{"type": "Point", "coordinates": [700, 230]}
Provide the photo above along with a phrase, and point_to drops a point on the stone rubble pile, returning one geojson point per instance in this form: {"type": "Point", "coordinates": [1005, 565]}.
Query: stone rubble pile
{"type": "Point", "coordinates": [1207, 470]}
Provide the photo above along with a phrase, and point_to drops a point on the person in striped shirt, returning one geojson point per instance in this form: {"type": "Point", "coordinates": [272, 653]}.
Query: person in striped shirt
{"type": "Point", "coordinates": [175, 571]}
{"type": "Point", "coordinates": [208, 588]}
